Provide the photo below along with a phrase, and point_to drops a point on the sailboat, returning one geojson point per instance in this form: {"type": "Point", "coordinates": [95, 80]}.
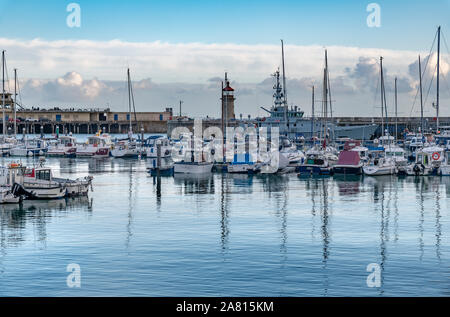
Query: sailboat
{"type": "Point", "coordinates": [381, 165]}
{"type": "Point", "coordinates": [127, 148]}
{"type": "Point", "coordinates": [321, 158]}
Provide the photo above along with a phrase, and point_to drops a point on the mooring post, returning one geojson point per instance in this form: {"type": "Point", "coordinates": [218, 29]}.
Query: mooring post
{"type": "Point", "coordinates": [158, 162]}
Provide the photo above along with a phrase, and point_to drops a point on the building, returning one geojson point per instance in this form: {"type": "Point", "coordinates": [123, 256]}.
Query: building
{"type": "Point", "coordinates": [84, 121]}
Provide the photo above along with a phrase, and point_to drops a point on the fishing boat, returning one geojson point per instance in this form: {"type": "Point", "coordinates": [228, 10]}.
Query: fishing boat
{"type": "Point", "coordinates": [30, 147]}
{"type": "Point", "coordinates": [428, 162]}
{"type": "Point", "coordinates": [8, 194]}
{"type": "Point", "coordinates": [97, 146]}
{"type": "Point", "coordinates": [65, 146]}
{"type": "Point", "coordinates": [151, 150]}
{"type": "Point", "coordinates": [125, 149]}
{"type": "Point", "coordinates": [350, 162]}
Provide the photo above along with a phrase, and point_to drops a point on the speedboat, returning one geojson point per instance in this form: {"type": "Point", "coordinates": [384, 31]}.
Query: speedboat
{"type": "Point", "coordinates": [97, 146]}
{"type": "Point", "coordinates": [65, 146]}
{"type": "Point", "coordinates": [32, 147]}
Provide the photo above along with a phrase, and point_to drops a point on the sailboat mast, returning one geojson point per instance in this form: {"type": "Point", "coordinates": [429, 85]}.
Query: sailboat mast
{"type": "Point", "coordinates": [396, 111]}
{"type": "Point", "coordinates": [15, 102]}
{"type": "Point", "coordinates": [437, 80]}
{"type": "Point", "coordinates": [381, 93]}
{"type": "Point", "coordinates": [129, 99]}
{"type": "Point", "coordinates": [313, 118]}
{"type": "Point", "coordinates": [284, 88]}
{"type": "Point", "coordinates": [325, 97]}
{"type": "Point", "coordinates": [3, 93]}
{"type": "Point", "coordinates": [421, 95]}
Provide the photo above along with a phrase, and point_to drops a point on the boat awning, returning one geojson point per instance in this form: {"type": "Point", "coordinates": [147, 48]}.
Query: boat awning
{"type": "Point", "coordinates": [349, 158]}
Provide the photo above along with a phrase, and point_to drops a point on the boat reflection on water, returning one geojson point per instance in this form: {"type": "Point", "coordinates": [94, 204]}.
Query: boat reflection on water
{"type": "Point", "coordinates": [14, 218]}
{"type": "Point", "coordinates": [348, 185]}
{"type": "Point", "coordinates": [190, 184]}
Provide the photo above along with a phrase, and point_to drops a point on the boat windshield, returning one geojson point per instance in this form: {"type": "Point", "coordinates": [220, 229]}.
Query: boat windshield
{"type": "Point", "coordinates": [43, 175]}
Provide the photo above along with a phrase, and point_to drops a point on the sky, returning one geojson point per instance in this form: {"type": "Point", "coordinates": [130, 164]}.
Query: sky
{"type": "Point", "coordinates": [179, 50]}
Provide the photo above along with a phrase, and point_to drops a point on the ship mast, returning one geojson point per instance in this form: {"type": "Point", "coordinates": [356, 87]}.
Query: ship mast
{"type": "Point", "coordinates": [284, 90]}
{"type": "Point", "coordinates": [3, 93]}
{"type": "Point", "coordinates": [325, 99]}
{"type": "Point", "coordinates": [381, 95]}
{"type": "Point", "coordinates": [421, 95]}
{"type": "Point", "coordinates": [129, 101]}
{"type": "Point", "coordinates": [437, 80]}
{"type": "Point", "coordinates": [312, 121]}
{"type": "Point", "coordinates": [396, 111]}
{"type": "Point", "coordinates": [15, 102]}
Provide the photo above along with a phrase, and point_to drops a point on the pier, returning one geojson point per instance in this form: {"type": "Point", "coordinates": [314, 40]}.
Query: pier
{"type": "Point", "coordinates": [84, 121]}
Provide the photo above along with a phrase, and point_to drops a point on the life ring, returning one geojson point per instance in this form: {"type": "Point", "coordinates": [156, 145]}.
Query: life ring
{"type": "Point", "coordinates": [436, 156]}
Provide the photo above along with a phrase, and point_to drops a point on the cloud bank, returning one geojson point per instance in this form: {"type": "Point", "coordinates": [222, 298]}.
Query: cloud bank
{"type": "Point", "coordinates": [93, 74]}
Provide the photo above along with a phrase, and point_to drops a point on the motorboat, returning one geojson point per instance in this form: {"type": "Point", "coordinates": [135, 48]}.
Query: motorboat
{"type": "Point", "coordinates": [125, 149]}
{"type": "Point", "coordinates": [64, 146]}
{"type": "Point", "coordinates": [350, 162]}
{"type": "Point", "coordinates": [380, 167]}
{"type": "Point", "coordinates": [316, 163]}
{"type": "Point", "coordinates": [97, 146]}
{"type": "Point", "coordinates": [30, 147]}
{"type": "Point", "coordinates": [184, 167]}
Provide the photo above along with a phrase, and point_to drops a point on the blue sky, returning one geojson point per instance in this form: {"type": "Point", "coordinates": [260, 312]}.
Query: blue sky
{"type": "Point", "coordinates": [406, 24]}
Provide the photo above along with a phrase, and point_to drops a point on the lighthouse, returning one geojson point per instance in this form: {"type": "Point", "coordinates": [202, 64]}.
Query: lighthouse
{"type": "Point", "coordinates": [227, 101]}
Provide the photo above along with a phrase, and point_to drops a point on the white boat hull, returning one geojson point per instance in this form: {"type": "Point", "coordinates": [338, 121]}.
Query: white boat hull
{"type": "Point", "coordinates": [45, 192]}
{"type": "Point", "coordinates": [124, 153]}
{"type": "Point", "coordinates": [193, 168]}
{"type": "Point", "coordinates": [379, 170]}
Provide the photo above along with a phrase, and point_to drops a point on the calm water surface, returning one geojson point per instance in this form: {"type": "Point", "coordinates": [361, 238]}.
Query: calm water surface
{"type": "Point", "coordinates": [227, 235]}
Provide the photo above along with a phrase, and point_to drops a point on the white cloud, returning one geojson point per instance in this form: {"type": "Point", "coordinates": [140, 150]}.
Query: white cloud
{"type": "Point", "coordinates": [163, 73]}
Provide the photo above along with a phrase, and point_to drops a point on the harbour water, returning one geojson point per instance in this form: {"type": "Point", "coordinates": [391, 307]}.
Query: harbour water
{"type": "Point", "coordinates": [227, 235]}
